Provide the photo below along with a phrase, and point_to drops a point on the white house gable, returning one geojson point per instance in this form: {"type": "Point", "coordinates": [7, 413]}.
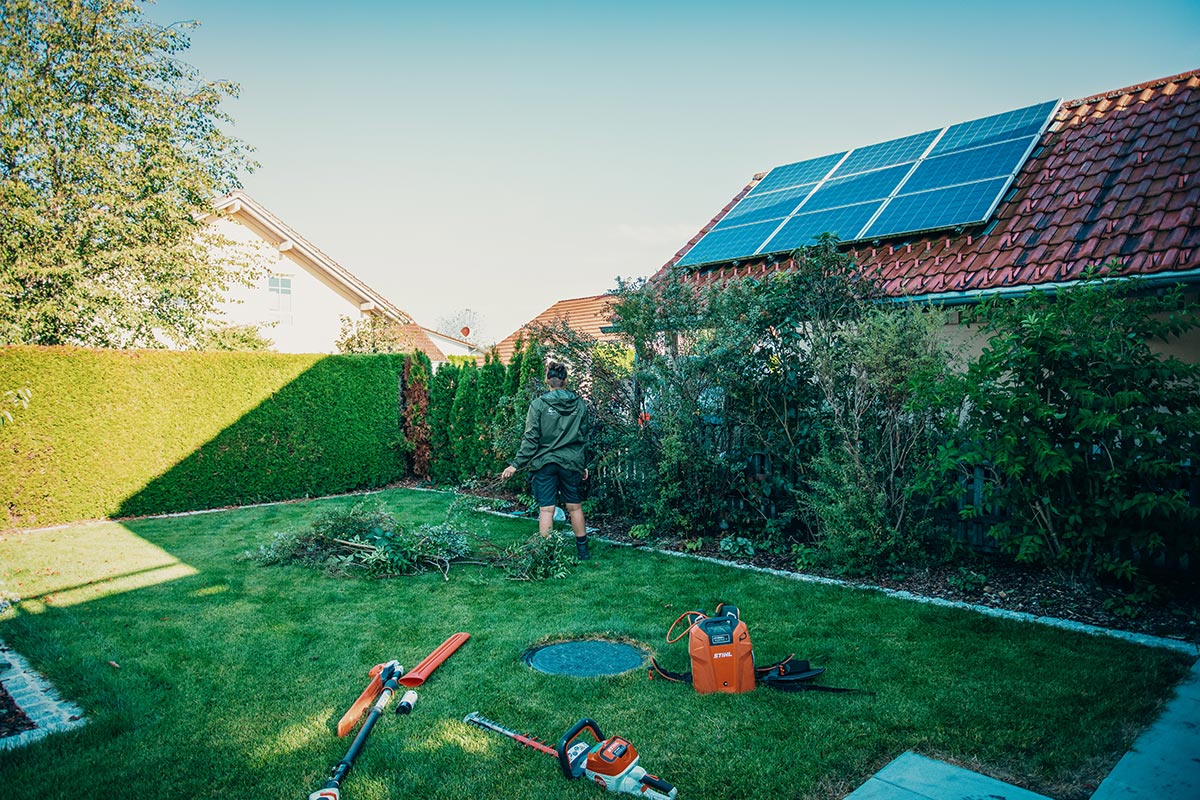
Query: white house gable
{"type": "Point", "coordinates": [300, 299]}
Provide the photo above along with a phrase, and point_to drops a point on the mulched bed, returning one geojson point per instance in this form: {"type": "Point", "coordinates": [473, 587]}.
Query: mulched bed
{"type": "Point", "coordinates": [12, 718]}
{"type": "Point", "coordinates": [1010, 586]}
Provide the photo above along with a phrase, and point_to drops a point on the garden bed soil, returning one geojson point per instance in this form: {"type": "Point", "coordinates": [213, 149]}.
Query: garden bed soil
{"type": "Point", "coordinates": [12, 718]}
{"type": "Point", "coordinates": [1008, 585]}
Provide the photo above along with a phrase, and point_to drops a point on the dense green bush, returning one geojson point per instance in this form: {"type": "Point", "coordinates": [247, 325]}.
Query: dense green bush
{"type": "Point", "coordinates": [128, 433]}
{"type": "Point", "coordinates": [880, 380]}
{"type": "Point", "coordinates": [442, 388]}
{"type": "Point", "coordinates": [465, 433]}
{"type": "Point", "coordinates": [1087, 437]}
{"type": "Point", "coordinates": [416, 413]}
{"type": "Point", "coordinates": [490, 388]}
{"type": "Point", "coordinates": [787, 409]}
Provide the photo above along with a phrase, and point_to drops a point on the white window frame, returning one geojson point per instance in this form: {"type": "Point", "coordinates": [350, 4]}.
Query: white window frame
{"type": "Point", "coordinates": [279, 298]}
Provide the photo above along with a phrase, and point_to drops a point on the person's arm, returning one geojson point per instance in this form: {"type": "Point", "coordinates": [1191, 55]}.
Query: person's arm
{"type": "Point", "coordinates": [586, 430]}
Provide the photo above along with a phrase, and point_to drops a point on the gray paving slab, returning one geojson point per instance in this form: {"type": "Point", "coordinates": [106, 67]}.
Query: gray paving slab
{"type": "Point", "coordinates": [1164, 762]}
{"type": "Point", "coordinates": [37, 700]}
{"type": "Point", "coordinates": [875, 789]}
{"type": "Point", "coordinates": [913, 776]}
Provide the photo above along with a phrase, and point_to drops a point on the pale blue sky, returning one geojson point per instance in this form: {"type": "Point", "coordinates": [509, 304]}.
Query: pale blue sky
{"type": "Point", "coordinates": [500, 157]}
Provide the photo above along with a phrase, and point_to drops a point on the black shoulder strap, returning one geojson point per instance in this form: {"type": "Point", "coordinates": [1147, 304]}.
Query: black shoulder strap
{"type": "Point", "coordinates": [680, 677]}
{"type": "Point", "coordinates": [788, 670]}
{"type": "Point", "coordinates": [799, 686]}
{"type": "Point", "coordinates": [796, 676]}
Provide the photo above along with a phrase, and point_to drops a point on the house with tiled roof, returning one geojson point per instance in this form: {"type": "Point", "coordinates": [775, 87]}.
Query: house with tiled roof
{"type": "Point", "coordinates": [1113, 179]}
{"type": "Point", "coordinates": [590, 316]}
{"type": "Point", "coordinates": [303, 294]}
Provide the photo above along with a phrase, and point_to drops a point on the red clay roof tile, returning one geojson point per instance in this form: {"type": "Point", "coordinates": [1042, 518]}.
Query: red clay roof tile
{"type": "Point", "coordinates": [1114, 177]}
{"type": "Point", "coordinates": [588, 315]}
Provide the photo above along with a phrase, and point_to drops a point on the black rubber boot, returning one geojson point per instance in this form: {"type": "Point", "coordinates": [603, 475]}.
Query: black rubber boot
{"type": "Point", "coordinates": [581, 549]}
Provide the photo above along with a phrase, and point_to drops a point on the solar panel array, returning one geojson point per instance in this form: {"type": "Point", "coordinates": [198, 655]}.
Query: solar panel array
{"type": "Point", "coordinates": [941, 178]}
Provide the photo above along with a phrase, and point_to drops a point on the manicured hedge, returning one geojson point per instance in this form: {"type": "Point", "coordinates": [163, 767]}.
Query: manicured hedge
{"type": "Point", "coordinates": [127, 433]}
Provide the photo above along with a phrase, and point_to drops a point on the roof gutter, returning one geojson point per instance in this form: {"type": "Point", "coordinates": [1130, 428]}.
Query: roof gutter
{"type": "Point", "coordinates": [978, 295]}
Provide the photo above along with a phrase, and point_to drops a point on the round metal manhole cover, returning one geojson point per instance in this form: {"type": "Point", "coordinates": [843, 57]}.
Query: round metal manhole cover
{"type": "Point", "coordinates": [586, 658]}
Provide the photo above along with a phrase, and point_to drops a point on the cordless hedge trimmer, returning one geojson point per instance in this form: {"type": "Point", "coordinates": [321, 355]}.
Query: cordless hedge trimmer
{"type": "Point", "coordinates": [612, 763]}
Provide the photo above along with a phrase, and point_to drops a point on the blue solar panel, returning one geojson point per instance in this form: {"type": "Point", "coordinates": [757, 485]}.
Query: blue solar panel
{"type": "Point", "coordinates": [940, 208]}
{"type": "Point", "coordinates": [856, 189]}
{"type": "Point", "coordinates": [797, 174]}
{"type": "Point", "coordinates": [965, 166]}
{"type": "Point", "coordinates": [897, 151]}
{"type": "Point", "coordinates": [802, 229]}
{"type": "Point", "coordinates": [937, 179]}
{"type": "Point", "coordinates": [759, 207]}
{"type": "Point", "coordinates": [729, 243]}
{"type": "Point", "coordinates": [1017, 124]}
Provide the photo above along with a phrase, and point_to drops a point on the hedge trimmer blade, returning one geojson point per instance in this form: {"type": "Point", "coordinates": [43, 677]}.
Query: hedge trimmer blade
{"type": "Point", "coordinates": [529, 741]}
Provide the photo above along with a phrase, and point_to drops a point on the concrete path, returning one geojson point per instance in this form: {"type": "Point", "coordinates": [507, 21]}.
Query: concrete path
{"type": "Point", "coordinates": [914, 777]}
{"type": "Point", "coordinates": [1164, 764]}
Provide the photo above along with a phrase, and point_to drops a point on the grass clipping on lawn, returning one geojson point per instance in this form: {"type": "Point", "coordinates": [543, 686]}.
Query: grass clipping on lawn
{"type": "Point", "coordinates": [367, 540]}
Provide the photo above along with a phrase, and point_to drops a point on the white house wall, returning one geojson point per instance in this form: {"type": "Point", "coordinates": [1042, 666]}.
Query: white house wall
{"type": "Point", "coordinates": [316, 307]}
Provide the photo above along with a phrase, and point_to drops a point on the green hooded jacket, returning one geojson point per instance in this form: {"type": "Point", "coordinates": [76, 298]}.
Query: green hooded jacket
{"type": "Point", "coordinates": [556, 430]}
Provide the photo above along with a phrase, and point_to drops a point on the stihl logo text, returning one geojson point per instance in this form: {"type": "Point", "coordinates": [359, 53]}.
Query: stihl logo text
{"type": "Point", "coordinates": [722, 655]}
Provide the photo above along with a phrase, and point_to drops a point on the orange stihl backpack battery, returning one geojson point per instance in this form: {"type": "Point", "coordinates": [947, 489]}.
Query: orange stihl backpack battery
{"type": "Point", "coordinates": [723, 661]}
{"type": "Point", "coordinates": [719, 646]}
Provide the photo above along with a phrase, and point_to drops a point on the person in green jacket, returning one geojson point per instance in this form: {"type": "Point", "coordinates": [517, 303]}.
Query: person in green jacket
{"type": "Point", "coordinates": [556, 435]}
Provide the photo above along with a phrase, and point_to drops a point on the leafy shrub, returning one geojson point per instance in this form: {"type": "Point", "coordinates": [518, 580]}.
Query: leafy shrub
{"type": "Point", "coordinates": [1131, 604]}
{"type": "Point", "coordinates": [967, 581]}
{"type": "Point", "coordinates": [853, 534]}
{"type": "Point", "coordinates": [767, 404]}
{"type": "Point", "coordinates": [416, 413]}
{"type": "Point", "coordinates": [1087, 437]}
{"type": "Point", "coordinates": [442, 387]}
{"type": "Point", "coordinates": [641, 531]}
{"type": "Point", "coordinates": [737, 547]}
{"type": "Point", "coordinates": [465, 433]}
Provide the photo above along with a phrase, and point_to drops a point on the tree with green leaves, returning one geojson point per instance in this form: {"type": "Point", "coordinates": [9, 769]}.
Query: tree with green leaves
{"type": "Point", "coordinates": [465, 433]}
{"type": "Point", "coordinates": [416, 412]}
{"type": "Point", "coordinates": [234, 337]}
{"type": "Point", "coordinates": [373, 333]}
{"type": "Point", "coordinates": [512, 373]}
{"type": "Point", "coordinates": [784, 407]}
{"type": "Point", "coordinates": [1086, 435]}
{"type": "Point", "coordinates": [442, 388]}
{"type": "Point", "coordinates": [491, 394]}
{"type": "Point", "coordinates": [111, 152]}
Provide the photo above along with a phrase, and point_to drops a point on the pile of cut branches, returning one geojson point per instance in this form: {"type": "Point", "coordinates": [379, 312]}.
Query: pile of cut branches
{"type": "Point", "coordinates": [365, 539]}
{"type": "Point", "coordinates": [537, 558]}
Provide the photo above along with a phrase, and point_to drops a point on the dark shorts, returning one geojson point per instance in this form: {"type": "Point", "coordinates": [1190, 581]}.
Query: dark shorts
{"type": "Point", "coordinates": [552, 482]}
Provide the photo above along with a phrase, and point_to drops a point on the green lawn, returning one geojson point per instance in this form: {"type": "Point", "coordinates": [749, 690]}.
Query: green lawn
{"type": "Point", "coordinates": [232, 676]}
